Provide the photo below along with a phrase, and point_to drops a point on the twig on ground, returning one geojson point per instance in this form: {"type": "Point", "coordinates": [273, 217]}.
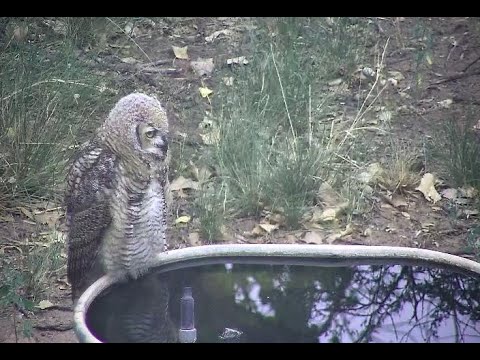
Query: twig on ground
{"type": "Point", "coordinates": [454, 77]}
{"type": "Point", "coordinates": [57, 327]}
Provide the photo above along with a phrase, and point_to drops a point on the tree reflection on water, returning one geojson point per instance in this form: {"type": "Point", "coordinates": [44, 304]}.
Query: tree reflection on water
{"type": "Point", "coordinates": [292, 303]}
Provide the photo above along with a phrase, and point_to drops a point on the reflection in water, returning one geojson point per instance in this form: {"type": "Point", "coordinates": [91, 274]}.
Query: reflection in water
{"type": "Point", "coordinates": [292, 303]}
{"type": "Point", "coordinates": [138, 312]}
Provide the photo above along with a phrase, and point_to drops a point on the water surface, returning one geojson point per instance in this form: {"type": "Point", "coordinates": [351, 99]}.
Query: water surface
{"type": "Point", "coordinates": [237, 302]}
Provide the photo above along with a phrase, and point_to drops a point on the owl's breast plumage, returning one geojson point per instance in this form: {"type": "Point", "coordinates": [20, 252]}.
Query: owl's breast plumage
{"type": "Point", "coordinates": [137, 232]}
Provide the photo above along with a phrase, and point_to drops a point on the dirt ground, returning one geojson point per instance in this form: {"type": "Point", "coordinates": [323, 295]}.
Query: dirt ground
{"type": "Point", "coordinates": [453, 74]}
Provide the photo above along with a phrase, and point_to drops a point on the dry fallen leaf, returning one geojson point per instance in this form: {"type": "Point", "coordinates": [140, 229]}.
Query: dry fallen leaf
{"type": "Point", "coordinates": [333, 237]}
{"type": "Point", "coordinates": [469, 213]}
{"type": "Point", "coordinates": [398, 201]}
{"type": "Point", "coordinates": [180, 52]}
{"type": "Point", "coordinates": [386, 206]}
{"type": "Point", "coordinates": [335, 82]}
{"type": "Point", "coordinates": [429, 59]}
{"type": "Point", "coordinates": [262, 229]}
{"type": "Point", "coordinates": [183, 219]}
{"type": "Point", "coordinates": [468, 192]}
{"type": "Point", "coordinates": [228, 80]}
{"type": "Point", "coordinates": [313, 237]}
{"type": "Point", "coordinates": [313, 226]}
{"type": "Point", "coordinates": [268, 227]}
{"type": "Point", "coordinates": [397, 75]}
{"type": "Point", "coordinates": [291, 239]}
{"type": "Point", "coordinates": [257, 231]}
{"type": "Point", "coordinates": [426, 226]}
{"type": "Point", "coordinates": [368, 72]}
{"type": "Point", "coordinates": [183, 183]}
{"type": "Point", "coordinates": [211, 133]}
{"type": "Point", "coordinates": [194, 239]}
{"type": "Point", "coordinates": [7, 218]}
{"type": "Point", "coordinates": [276, 218]}
{"type": "Point", "coordinates": [202, 175]}
{"type": "Point", "coordinates": [216, 34]}
{"type": "Point", "coordinates": [211, 137]}
{"type": "Point", "coordinates": [393, 82]}
{"type": "Point", "coordinates": [203, 66]}
{"type": "Point", "coordinates": [20, 33]}
{"type": "Point", "coordinates": [44, 304]}
{"type": "Point", "coordinates": [372, 175]}
{"type": "Point", "coordinates": [368, 232]}
{"type": "Point", "coordinates": [445, 103]}
{"type": "Point", "coordinates": [329, 214]}
{"type": "Point", "coordinates": [128, 28]}
{"type": "Point", "coordinates": [207, 122]}
{"type": "Point", "coordinates": [204, 91]}
{"type": "Point", "coordinates": [389, 229]}
{"type": "Point", "coordinates": [241, 60]}
{"type": "Point", "coordinates": [129, 60]}
{"type": "Point", "coordinates": [327, 195]}
{"type": "Point", "coordinates": [427, 188]}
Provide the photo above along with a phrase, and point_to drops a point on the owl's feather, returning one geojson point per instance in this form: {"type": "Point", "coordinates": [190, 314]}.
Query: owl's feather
{"type": "Point", "coordinates": [87, 210]}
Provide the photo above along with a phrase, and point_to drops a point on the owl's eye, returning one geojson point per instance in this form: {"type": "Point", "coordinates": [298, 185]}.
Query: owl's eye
{"type": "Point", "coordinates": [151, 133]}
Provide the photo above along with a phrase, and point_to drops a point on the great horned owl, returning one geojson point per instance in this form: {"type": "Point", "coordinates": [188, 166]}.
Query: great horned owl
{"type": "Point", "coordinates": [116, 195]}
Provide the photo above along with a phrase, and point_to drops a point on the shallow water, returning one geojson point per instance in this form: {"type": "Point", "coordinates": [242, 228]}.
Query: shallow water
{"type": "Point", "coordinates": [237, 302]}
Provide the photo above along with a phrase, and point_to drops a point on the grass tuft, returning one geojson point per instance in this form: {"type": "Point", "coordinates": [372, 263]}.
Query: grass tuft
{"type": "Point", "coordinates": [275, 142]}
{"type": "Point", "coordinates": [47, 104]}
{"type": "Point", "coordinates": [459, 152]}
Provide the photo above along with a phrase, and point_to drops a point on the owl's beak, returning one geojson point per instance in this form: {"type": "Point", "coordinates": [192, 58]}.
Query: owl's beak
{"type": "Point", "coordinates": [162, 144]}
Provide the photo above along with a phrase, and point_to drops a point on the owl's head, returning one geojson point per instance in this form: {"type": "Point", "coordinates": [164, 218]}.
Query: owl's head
{"type": "Point", "coordinates": [137, 127]}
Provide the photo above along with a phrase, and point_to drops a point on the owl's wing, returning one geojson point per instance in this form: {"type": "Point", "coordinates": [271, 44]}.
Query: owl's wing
{"type": "Point", "coordinates": [87, 209]}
